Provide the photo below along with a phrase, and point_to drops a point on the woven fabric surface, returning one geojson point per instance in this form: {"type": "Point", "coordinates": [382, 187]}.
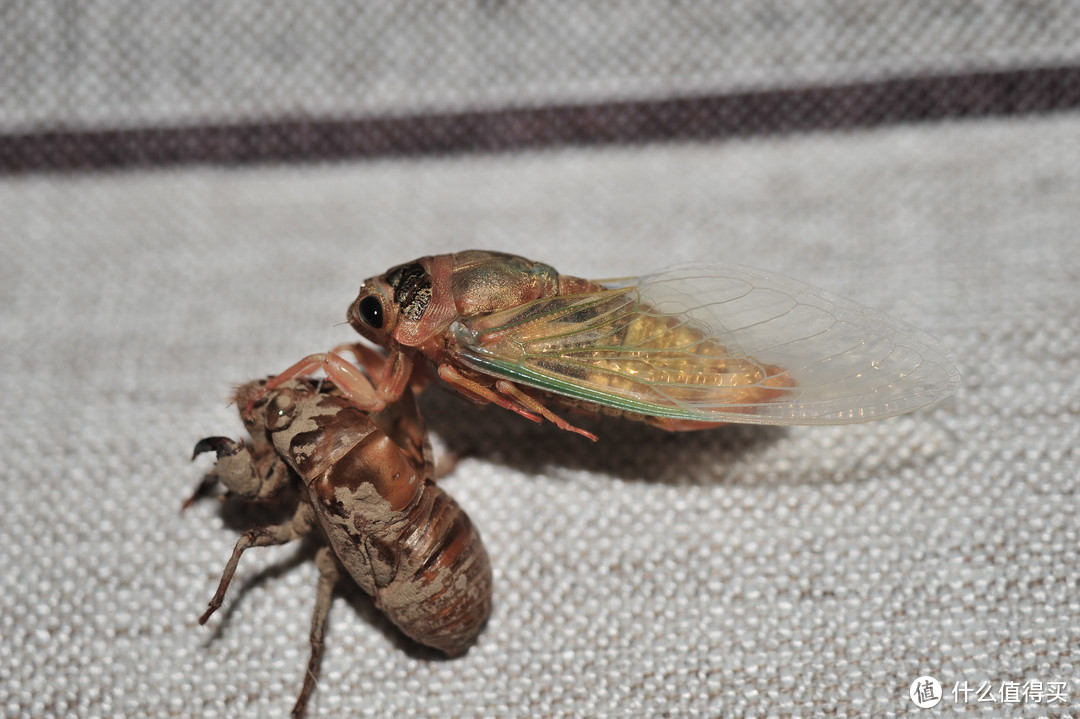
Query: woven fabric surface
{"type": "Point", "coordinates": [127, 64]}
{"type": "Point", "coordinates": [191, 193]}
{"type": "Point", "coordinates": [737, 571]}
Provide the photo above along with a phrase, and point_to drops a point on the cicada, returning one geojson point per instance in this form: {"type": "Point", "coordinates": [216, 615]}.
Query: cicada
{"type": "Point", "coordinates": [685, 348]}
{"type": "Point", "coordinates": [363, 483]}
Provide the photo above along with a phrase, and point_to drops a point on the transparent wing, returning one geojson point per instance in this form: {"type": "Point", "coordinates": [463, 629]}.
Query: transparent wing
{"type": "Point", "coordinates": [714, 344]}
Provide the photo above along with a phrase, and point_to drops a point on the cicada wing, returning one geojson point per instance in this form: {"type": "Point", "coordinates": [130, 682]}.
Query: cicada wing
{"type": "Point", "coordinates": [714, 344]}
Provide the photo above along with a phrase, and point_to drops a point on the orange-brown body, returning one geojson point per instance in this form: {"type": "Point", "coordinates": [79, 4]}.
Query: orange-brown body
{"type": "Point", "coordinates": [412, 310]}
{"type": "Point", "coordinates": [684, 348]}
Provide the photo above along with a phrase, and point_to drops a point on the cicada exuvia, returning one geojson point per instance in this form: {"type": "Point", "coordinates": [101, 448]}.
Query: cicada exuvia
{"type": "Point", "coordinates": [363, 485]}
{"type": "Point", "coordinates": [685, 348]}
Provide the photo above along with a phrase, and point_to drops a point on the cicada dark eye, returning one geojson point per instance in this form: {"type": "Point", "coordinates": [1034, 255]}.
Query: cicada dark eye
{"type": "Point", "coordinates": [371, 311]}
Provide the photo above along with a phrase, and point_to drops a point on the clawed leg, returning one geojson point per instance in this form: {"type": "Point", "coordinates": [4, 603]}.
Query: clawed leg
{"type": "Point", "coordinates": [260, 537]}
{"type": "Point", "coordinates": [247, 472]}
{"type": "Point", "coordinates": [329, 575]}
{"type": "Point", "coordinates": [222, 446]}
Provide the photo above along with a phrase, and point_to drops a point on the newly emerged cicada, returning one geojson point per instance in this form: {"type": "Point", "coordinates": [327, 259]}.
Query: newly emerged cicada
{"type": "Point", "coordinates": [363, 483]}
{"type": "Point", "coordinates": [686, 348]}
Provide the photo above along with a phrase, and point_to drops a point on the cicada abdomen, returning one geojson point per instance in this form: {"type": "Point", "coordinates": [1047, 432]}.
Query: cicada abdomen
{"type": "Point", "coordinates": [403, 539]}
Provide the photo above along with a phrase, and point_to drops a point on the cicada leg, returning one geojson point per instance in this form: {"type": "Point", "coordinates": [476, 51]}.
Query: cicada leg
{"type": "Point", "coordinates": [258, 537]}
{"type": "Point", "coordinates": [223, 446]}
{"type": "Point", "coordinates": [245, 471]}
{"type": "Point", "coordinates": [530, 402]}
{"type": "Point", "coordinates": [372, 360]}
{"type": "Point", "coordinates": [350, 381]}
{"type": "Point", "coordinates": [508, 397]}
{"type": "Point", "coordinates": [471, 388]}
{"type": "Point", "coordinates": [377, 364]}
{"type": "Point", "coordinates": [329, 576]}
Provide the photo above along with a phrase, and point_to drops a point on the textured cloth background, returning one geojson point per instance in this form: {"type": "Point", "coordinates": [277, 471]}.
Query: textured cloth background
{"type": "Point", "coordinates": [107, 63]}
{"type": "Point", "coordinates": [744, 571]}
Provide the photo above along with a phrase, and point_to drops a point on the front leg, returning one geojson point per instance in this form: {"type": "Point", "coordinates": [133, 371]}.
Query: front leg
{"type": "Point", "coordinates": [372, 360]}
{"type": "Point", "coordinates": [223, 446]}
{"type": "Point", "coordinates": [378, 364]}
{"type": "Point", "coordinates": [347, 377]}
{"type": "Point", "coordinates": [350, 381]}
{"type": "Point", "coordinates": [243, 473]}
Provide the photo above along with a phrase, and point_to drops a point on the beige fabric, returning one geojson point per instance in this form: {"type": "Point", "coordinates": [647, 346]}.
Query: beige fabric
{"type": "Point", "coordinates": [737, 572]}
{"type": "Point", "coordinates": [743, 571]}
{"type": "Point", "coordinates": [106, 64]}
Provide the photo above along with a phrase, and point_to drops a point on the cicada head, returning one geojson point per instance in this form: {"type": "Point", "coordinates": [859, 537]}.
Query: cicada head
{"type": "Point", "coordinates": [265, 413]}
{"type": "Point", "coordinates": [391, 307]}
{"type": "Point", "coordinates": [251, 404]}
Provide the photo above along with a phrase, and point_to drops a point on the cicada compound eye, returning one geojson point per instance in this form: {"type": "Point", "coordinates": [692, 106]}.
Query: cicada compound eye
{"type": "Point", "coordinates": [370, 310]}
{"type": "Point", "coordinates": [281, 410]}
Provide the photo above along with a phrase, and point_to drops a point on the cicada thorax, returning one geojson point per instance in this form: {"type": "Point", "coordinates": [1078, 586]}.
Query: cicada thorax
{"type": "Point", "coordinates": [482, 282]}
{"type": "Point", "coordinates": [401, 538]}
